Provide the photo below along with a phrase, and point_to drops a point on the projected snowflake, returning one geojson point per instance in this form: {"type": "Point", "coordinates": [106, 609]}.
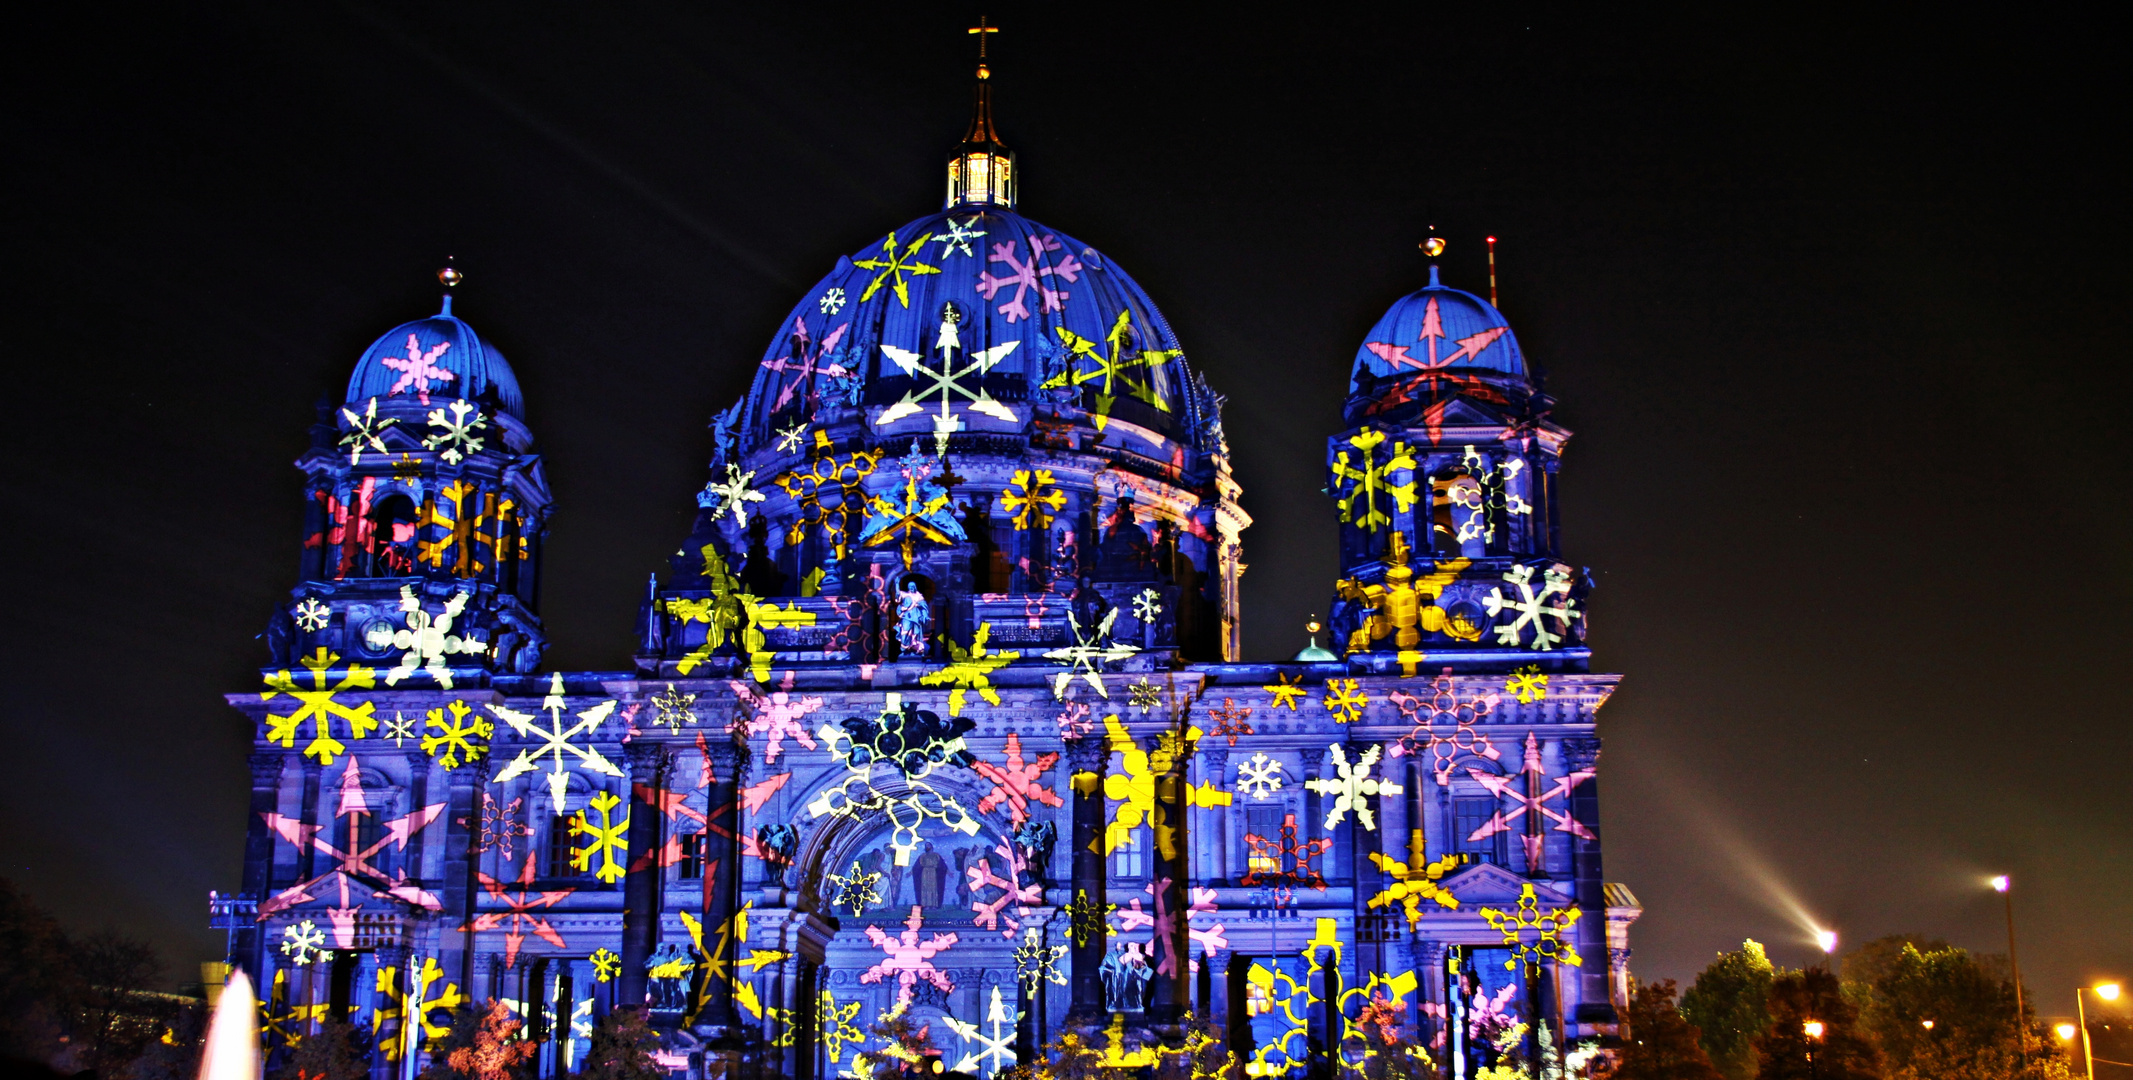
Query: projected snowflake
{"type": "Point", "coordinates": [459, 740]}
{"type": "Point", "coordinates": [1359, 488]}
{"type": "Point", "coordinates": [1353, 788]}
{"type": "Point", "coordinates": [1259, 777]}
{"type": "Point", "coordinates": [1533, 932]}
{"type": "Point", "coordinates": [1087, 656]}
{"type": "Point", "coordinates": [1532, 611]}
{"type": "Point", "coordinates": [1527, 684]}
{"type": "Point", "coordinates": [1284, 863]}
{"type": "Point", "coordinates": [1287, 690]}
{"type": "Point", "coordinates": [914, 743]}
{"type": "Point", "coordinates": [1121, 364]}
{"type": "Point", "coordinates": [907, 959]}
{"type": "Point", "coordinates": [951, 377]}
{"type": "Point", "coordinates": [1032, 497]}
{"type": "Point", "coordinates": [673, 708]}
{"type": "Point", "coordinates": [426, 639]}
{"type": "Point", "coordinates": [894, 266]}
{"type": "Point", "coordinates": [731, 497]}
{"type": "Point", "coordinates": [609, 838]}
{"type": "Point", "coordinates": [917, 509]}
{"type": "Point", "coordinates": [1085, 917]}
{"type": "Point", "coordinates": [992, 914]}
{"type": "Point", "coordinates": [995, 1051]}
{"type": "Point", "coordinates": [1411, 885]}
{"type": "Point", "coordinates": [317, 705]}
{"type": "Point", "coordinates": [457, 434]}
{"type": "Point", "coordinates": [364, 429]}
{"type": "Point", "coordinates": [830, 496]}
{"type": "Point", "coordinates": [1445, 704]}
{"type": "Point", "coordinates": [311, 616]}
{"type": "Point", "coordinates": [1527, 796]}
{"type": "Point", "coordinates": [1015, 782]}
{"type": "Point", "coordinates": [556, 740]}
{"type": "Point", "coordinates": [1028, 274]}
{"type": "Point", "coordinates": [856, 891]}
{"type": "Point", "coordinates": [606, 965]}
{"type": "Point", "coordinates": [1134, 788]}
{"type": "Point", "coordinates": [776, 714]}
{"type": "Point", "coordinates": [517, 917]}
{"type": "Point", "coordinates": [1346, 700]}
{"type": "Point", "coordinates": [1037, 963]}
{"type": "Point", "coordinates": [303, 942]}
{"type": "Point", "coordinates": [968, 669]}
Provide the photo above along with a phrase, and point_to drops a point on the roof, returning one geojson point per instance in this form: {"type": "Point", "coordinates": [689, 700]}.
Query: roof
{"type": "Point", "coordinates": [438, 357]}
{"type": "Point", "coordinates": [1436, 328]}
{"type": "Point", "coordinates": [1034, 304]}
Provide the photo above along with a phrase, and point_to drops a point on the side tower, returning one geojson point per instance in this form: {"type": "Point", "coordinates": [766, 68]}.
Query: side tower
{"type": "Point", "coordinates": [418, 572]}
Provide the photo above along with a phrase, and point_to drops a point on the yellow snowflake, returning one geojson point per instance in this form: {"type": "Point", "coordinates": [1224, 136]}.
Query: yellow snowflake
{"type": "Point", "coordinates": [1345, 699]}
{"type": "Point", "coordinates": [1028, 494]}
{"type": "Point", "coordinates": [968, 670]}
{"type": "Point", "coordinates": [1287, 690]}
{"type": "Point", "coordinates": [1527, 684]}
{"type": "Point", "coordinates": [317, 705]}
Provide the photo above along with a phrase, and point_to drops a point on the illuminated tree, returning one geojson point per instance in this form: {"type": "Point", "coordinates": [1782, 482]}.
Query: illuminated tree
{"type": "Point", "coordinates": [1971, 1007]}
{"type": "Point", "coordinates": [622, 1048]}
{"type": "Point", "coordinates": [329, 1054]}
{"type": "Point", "coordinates": [1841, 1052]}
{"type": "Point", "coordinates": [495, 1052]}
{"type": "Point", "coordinates": [1729, 1004]}
{"type": "Point", "coordinates": [1661, 1044]}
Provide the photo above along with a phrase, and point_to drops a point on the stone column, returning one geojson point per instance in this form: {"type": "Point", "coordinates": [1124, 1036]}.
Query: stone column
{"type": "Point", "coordinates": [642, 880]}
{"type": "Point", "coordinates": [1366, 879]}
{"type": "Point", "coordinates": [1429, 968]}
{"type": "Point", "coordinates": [722, 883]}
{"type": "Point", "coordinates": [1172, 998]}
{"type": "Point", "coordinates": [1216, 834]}
{"type": "Point", "coordinates": [462, 859]}
{"type": "Point", "coordinates": [245, 944]}
{"type": "Point", "coordinates": [418, 797]}
{"type": "Point", "coordinates": [1087, 930]}
{"type": "Point", "coordinates": [308, 814]}
{"type": "Point", "coordinates": [1581, 753]}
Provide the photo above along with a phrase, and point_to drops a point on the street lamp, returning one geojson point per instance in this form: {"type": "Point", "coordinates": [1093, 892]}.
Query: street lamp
{"type": "Point", "coordinates": [2066, 1032]}
{"type": "Point", "coordinates": [1813, 1030]}
{"type": "Point", "coordinates": [1827, 940]}
{"type": "Point", "coordinates": [2002, 885]}
{"type": "Point", "coordinates": [2107, 991]}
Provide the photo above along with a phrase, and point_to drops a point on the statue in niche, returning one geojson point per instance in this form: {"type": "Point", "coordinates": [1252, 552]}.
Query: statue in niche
{"type": "Point", "coordinates": [913, 619]}
{"type": "Point", "coordinates": [1126, 975]}
{"type": "Point", "coordinates": [1124, 553]}
{"type": "Point", "coordinates": [1036, 838]}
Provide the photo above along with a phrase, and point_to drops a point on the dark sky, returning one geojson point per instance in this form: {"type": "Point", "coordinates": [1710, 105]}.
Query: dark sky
{"type": "Point", "coordinates": [1835, 304]}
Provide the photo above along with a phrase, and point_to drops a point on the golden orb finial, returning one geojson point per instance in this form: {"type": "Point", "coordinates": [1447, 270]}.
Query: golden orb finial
{"type": "Point", "coordinates": [1432, 247]}
{"type": "Point", "coordinates": [1313, 626]}
{"type": "Point", "coordinates": [449, 276]}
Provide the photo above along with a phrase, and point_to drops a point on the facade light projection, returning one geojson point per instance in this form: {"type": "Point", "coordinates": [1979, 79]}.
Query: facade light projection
{"type": "Point", "coordinates": [938, 712]}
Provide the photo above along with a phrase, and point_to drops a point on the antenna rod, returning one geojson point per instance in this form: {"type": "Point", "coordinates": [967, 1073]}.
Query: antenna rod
{"type": "Point", "coordinates": [1492, 272]}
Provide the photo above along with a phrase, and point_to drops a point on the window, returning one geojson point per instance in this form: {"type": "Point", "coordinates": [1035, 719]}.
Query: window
{"type": "Point", "coordinates": [1469, 816]}
{"type": "Point", "coordinates": [692, 857]}
{"type": "Point", "coordinates": [1130, 858]}
{"type": "Point", "coordinates": [1256, 1001]}
{"type": "Point", "coordinates": [560, 846]}
{"type": "Point", "coordinates": [1265, 823]}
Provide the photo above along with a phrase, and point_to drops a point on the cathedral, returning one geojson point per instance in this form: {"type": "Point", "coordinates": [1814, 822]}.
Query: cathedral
{"type": "Point", "coordinates": [940, 710]}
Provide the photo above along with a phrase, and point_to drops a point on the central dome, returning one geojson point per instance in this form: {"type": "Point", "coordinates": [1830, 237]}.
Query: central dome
{"type": "Point", "coordinates": [1028, 312]}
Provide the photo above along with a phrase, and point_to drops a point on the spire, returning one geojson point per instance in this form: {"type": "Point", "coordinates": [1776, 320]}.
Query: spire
{"type": "Point", "coordinates": [981, 172]}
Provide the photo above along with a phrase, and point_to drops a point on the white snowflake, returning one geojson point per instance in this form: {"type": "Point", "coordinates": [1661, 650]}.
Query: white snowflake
{"type": "Point", "coordinates": [555, 741]}
{"type": "Point", "coordinates": [946, 380]}
{"type": "Point", "coordinates": [399, 729]}
{"type": "Point", "coordinates": [1026, 277]}
{"type": "Point", "coordinates": [832, 302]}
{"type": "Point", "coordinates": [959, 236]}
{"type": "Point", "coordinates": [303, 942]}
{"type": "Point", "coordinates": [731, 497]}
{"type": "Point", "coordinates": [1146, 606]}
{"type": "Point", "coordinates": [426, 640]}
{"type": "Point", "coordinates": [1259, 777]}
{"type": "Point", "coordinates": [1088, 655]}
{"type": "Point", "coordinates": [455, 437]}
{"type": "Point", "coordinates": [789, 438]}
{"type": "Point", "coordinates": [1352, 787]}
{"type": "Point", "coordinates": [311, 615]}
{"type": "Point", "coordinates": [1531, 606]}
{"type": "Point", "coordinates": [364, 429]}
{"type": "Point", "coordinates": [997, 1048]}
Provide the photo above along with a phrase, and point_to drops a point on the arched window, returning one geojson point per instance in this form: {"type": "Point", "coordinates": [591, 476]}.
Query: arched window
{"type": "Point", "coordinates": [392, 532]}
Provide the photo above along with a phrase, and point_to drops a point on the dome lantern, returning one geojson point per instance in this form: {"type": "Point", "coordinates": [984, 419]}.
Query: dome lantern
{"type": "Point", "coordinates": [981, 172]}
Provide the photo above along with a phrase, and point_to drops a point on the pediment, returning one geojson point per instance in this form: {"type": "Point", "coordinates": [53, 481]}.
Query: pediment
{"type": "Point", "coordinates": [1489, 885]}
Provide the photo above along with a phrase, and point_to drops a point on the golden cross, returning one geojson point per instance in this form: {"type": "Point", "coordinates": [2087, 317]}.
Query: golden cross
{"type": "Point", "coordinates": [981, 30]}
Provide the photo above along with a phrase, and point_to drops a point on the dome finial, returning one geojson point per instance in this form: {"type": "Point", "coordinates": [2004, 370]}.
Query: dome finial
{"type": "Point", "coordinates": [981, 170]}
{"type": "Point", "coordinates": [449, 277]}
{"type": "Point", "coordinates": [1434, 246]}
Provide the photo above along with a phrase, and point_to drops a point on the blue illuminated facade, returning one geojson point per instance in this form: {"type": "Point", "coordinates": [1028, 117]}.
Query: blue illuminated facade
{"type": "Point", "coordinates": [940, 702]}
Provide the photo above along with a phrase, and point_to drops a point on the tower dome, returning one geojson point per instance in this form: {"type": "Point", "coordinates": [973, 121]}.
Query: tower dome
{"type": "Point", "coordinates": [1429, 344]}
{"type": "Point", "coordinates": [437, 357]}
{"type": "Point", "coordinates": [957, 321]}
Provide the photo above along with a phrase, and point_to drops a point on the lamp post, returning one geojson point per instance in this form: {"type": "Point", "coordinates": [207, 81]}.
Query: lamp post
{"type": "Point", "coordinates": [2001, 885]}
{"type": "Point", "coordinates": [2107, 991]}
{"type": "Point", "coordinates": [1813, 1030]}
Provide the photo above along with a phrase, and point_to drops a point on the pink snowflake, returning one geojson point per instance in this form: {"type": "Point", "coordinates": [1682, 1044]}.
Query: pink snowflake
{"type": "Point", "coordinates": [1444, 703]}
{"type": "Point", "coordinates": [1026, 277]}
{"type": "Point", "coordinates": [1074, 722]}
{"type": "Point", "coordinates": [777, 714]}
{"type": "Point", "coordinates": [990, 914]}
{"type": "Point", "coordinates": [908, 959]}
{"type": "Point", "coordinates": [808, 365]}
{"type": "Point", "coordinates": [1213, 939]}
{"type": "Point", "coordinates": [1530, 798]}
{"type": "Point", "coordinates": [1015, 783]}
{"type": "Point", "coordinates": [418, 369]}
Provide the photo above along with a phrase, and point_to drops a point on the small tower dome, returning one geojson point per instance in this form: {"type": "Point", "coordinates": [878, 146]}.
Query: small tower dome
{"type": "Point", "coordinates": [1432, 340]}
{"type": "Point", "coordinates": [437, 357]}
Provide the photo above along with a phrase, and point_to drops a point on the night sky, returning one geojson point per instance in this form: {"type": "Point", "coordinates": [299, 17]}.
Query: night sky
{"type": "Point", "coordinates": [1835, 305]}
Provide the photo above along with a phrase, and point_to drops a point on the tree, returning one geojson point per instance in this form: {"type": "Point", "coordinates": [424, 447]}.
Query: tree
{"type": "Point", "coordinates": [35, 978]}
{"type": "Point", "coordinates": [1843, 1052]}
{"type": "Point", "coordinates": [1663, 1045]}
{"type": "Point", "coordinates": [115, 1013]}
{"type": "Point", "coordinates": [1972, 1008]}
{"type": "Point", "coordinates": [622, 1047]}
{"type": "Point", "coordinates": [1730, 1004]}
{"type": "Point", "coordinates": [910, 1044]}
{"type": "Point", "coordinates": [328, 1054]}
{"type": "Point", "coordinates": [482, 1046]}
